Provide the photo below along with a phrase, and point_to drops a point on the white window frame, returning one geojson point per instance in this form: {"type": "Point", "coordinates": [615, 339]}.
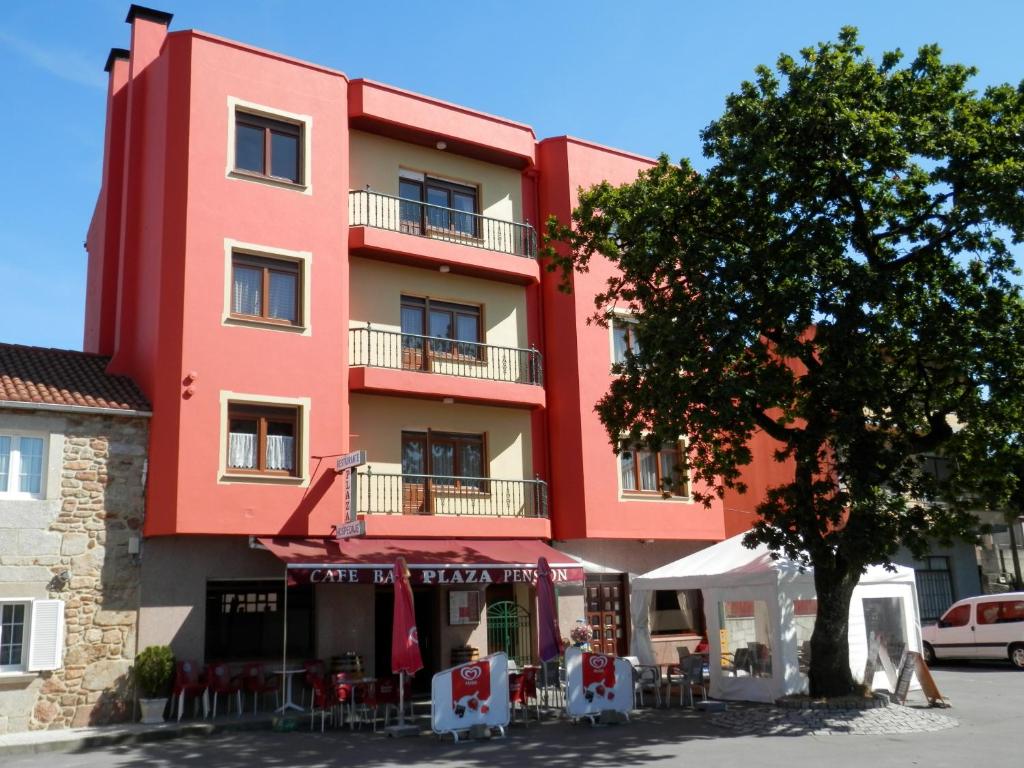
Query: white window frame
{"type": "Point", "coordinates": [42, 647]}
{"type": "Point", "coordinates": [617, 315]}
{"type": "Point", "coordinates": [26, 636]}
{"type": "Point", "coordinates": [14, 466]}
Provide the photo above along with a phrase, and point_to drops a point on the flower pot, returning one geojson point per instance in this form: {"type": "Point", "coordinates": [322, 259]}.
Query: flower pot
{"type": "Point", "coordinates": [152, 710]}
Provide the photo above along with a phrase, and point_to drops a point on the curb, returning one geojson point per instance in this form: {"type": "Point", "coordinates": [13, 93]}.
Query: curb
{"type": "Point", "coordinates": [68, 741]}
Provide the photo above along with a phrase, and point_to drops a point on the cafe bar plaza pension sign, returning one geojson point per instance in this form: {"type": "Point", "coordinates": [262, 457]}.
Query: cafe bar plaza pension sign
{"type": "Point", "coordinates": [429, 575]}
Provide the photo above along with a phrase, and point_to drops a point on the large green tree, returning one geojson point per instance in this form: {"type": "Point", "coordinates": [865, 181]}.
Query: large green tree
{"type": "Point", "coordinates": [840, 278]}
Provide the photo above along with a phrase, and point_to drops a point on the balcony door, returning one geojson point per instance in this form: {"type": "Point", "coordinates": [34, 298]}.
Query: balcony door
{"type": "Point", "coordinates": [435, 205]}
{"type": "Point", "coordinates": [454, 331]}
{"type": "Point", "coordinates": [439, 463]}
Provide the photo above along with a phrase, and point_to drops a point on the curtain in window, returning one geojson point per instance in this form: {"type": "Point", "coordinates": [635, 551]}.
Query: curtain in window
{"type": "Point", "coordinates": [31, 476]}
{"type": "Point", "coordinates": [412, 458]}
{"type": "Point", "coordinates": [620, 341]}
{"type": "Point", "coordinates": [242, 450]}
{"type": "Point", "coordinates": [471, 463]}
{"type": "Point", "coordinates": [412, 323]}
{"type": "Point", "coordinates": [245, 296]}
{"type": "Point", "coordinates": [5, 461]}
{"type": "Point", "coordinates": [648, 471]}
{"type": "Point", "coordinates": [626, 464]}
{"type": "Point", "coordinates": [281, 301]}
{"type": "Point", "coordinates": [442, 459]}
{"type": "Point", "coordinates": [687, 607]}
{"type": "Point", "coordinates": [280, 452]}
{"type": "Point", "coordinates": [668, 469]}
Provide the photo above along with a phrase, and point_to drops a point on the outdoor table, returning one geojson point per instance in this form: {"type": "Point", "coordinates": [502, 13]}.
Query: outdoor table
{"type": "Point", "coordinates": [286, 695]}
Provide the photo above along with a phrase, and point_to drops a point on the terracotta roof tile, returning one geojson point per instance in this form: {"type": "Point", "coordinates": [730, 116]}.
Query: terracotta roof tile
{"type": "Point", "coordinates": [64, 377]}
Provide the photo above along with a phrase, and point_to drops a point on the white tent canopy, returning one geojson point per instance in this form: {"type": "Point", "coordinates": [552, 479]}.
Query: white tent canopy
{"type": "Point", "coordinates": [764, 611]}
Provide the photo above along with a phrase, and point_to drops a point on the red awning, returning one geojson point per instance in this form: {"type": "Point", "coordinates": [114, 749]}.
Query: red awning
{"type": "Point", "coordinates": [431, 561]}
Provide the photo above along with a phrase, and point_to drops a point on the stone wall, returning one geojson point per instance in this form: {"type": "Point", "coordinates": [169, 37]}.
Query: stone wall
{"type": "Point", "coordinates": [94, 503]}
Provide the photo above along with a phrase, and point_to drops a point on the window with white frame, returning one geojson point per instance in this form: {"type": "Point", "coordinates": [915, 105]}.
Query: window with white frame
{"type": "Point", "coordinates": [13, 620]}
{"type": "Point", "coordinates": [31, 635]}
{"type": "Point", "coordinates": [623, 339]}
{"type": "Point", "coordinates": [22, 474]}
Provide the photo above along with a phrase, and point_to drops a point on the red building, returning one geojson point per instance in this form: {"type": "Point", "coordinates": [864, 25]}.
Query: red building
{"type": "Point", "coordinates": [294, 265]}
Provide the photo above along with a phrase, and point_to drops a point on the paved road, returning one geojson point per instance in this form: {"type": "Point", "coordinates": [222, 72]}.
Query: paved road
{"type": "Point", "coordinates": [988, 701]}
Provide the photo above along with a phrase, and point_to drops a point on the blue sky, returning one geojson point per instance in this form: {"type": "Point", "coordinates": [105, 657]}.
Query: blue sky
{"type": "Point", "coordinates": [642, 75]}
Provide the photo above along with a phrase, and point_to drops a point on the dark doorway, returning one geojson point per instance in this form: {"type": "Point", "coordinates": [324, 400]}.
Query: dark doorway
{"type": "Point", "coordinates": [426, 604]}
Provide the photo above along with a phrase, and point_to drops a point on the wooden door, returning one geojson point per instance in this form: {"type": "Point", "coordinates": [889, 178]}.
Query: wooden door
{"type": "Point", "coordinates": [606, 613]}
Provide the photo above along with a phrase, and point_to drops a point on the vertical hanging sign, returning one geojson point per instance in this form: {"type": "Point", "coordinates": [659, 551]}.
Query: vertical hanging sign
{"type": "Point", "coordinates": [347, 464]}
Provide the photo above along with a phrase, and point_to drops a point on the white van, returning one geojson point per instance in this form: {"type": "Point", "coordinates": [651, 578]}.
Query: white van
{"type": "Point", "coordinates": [983, 627]}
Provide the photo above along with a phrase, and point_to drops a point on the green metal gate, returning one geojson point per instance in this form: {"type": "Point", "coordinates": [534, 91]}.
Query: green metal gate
{"type": "Point", "coordinates": [508, 630]}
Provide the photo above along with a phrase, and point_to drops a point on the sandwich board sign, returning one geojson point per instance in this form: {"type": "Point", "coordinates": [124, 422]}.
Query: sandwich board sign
{"type": "Point", "coordinates": [597, 683]}
{"type": "Point", "coordinates": [471, 694]}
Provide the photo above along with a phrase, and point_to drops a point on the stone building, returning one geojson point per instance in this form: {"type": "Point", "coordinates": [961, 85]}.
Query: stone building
{"type": "Point", "coordinates": [73, 445]}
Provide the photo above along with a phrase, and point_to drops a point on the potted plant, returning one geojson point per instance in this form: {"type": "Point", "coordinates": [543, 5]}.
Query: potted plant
{"type": "Point", "coordinates": [153, 669]}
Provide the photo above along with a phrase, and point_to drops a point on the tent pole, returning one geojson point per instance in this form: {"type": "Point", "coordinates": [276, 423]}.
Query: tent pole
{"type": "Point", "coordinates": [284, 640]}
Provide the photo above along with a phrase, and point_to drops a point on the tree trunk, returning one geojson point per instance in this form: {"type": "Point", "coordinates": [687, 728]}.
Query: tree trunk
{"type": "Point", "coordinates": [830, 644]}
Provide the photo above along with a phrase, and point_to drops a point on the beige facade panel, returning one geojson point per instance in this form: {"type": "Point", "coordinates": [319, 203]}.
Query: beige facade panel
{"type": "Point", "coordinates": [377, 427]}
{"type": "Point", "coordinates": [376, 292]}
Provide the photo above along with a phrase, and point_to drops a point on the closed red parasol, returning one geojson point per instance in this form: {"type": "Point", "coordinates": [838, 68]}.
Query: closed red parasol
{"type": "Point", "coordinates": [405, 644]}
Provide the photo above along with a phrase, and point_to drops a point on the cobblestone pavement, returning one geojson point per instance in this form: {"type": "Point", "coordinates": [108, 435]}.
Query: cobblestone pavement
{"type": "Point", "coordinates": [753, 720]}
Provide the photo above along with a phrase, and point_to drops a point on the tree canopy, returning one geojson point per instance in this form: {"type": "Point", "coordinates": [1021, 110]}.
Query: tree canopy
{"type": "Point", "coordinates": [840, 278]}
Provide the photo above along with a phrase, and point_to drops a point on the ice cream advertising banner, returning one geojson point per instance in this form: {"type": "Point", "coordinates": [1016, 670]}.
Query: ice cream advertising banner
{"type": "Point", "coordinates": [471, 694]}
{"type": "Point", "coordinates": [596, 683]}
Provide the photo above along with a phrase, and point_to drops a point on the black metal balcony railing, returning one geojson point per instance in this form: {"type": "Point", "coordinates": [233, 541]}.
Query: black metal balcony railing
{"type": "Point", "coordinates": [432, 354]}
{"type": "Point", "coordinates": [376, 209]}
{"type": "Point", "coordinates": [407, 494]}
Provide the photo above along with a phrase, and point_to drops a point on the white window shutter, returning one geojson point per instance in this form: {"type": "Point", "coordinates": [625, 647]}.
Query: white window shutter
{"type": "Point", "coordinates": [46, 646]}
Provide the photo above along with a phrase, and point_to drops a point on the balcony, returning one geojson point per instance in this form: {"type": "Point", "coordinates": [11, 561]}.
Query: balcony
{"type": "Point", "coordinates": [410, 231]}
{"type": "Point", "coordinates": [391, 362]}
{"type": "Point", "coordinates": [443, 495]}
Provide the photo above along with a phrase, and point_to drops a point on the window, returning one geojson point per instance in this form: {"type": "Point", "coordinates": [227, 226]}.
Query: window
{"type": "Point", "coordinates": [456, 458]}
{"type": "Point", "coordinates": [268, 148]}
{"type": "Point", "coordinates": [884, 621]}
{"type": "Point", "coordinates": [646, 471]}
{"type": "Point", "coordinates": [21, 466]}
{"type": "Point", "coordinates": [442, 320]}
{"type": "Point", "coordinates": [675, 613]}
{"type": "Point", "coordinates": [1001, 612]}
{"type": "Point", "coordinates": [450, 206]}
{"type": "Point", "coordinates": [262, 439]}
{"type": "Point", "coordinates": [245, 620]}
{"type": "Point", "coordinates": [31, 635]}
{"type": "Point", "coordinates": [745, 632]}
{"type": "Point", "coordinates": [13, 617]}
{"type": "Point", "coordinates": [957, 616]}
{"type": "Point", "coordinates": [623, 339]}
{"type": "Point", "coordinates": [265, 289]}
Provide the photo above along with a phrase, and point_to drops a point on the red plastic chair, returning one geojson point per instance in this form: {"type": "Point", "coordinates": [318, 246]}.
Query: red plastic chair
{"type": "Point", "coordinates": [382, 693]}
{"type": "Point", "coordinates": [324, 702]}
{"type": "Point", "coordinates": [254, 678]}
{"type": "Point", "coordinates": [522, 688]}
{"type": "Point", "coordinates": [218, 681]}
{"type": "Point", "coordinates": [315, 676]}
{"type": "Point", "coordinates": [187, 684]}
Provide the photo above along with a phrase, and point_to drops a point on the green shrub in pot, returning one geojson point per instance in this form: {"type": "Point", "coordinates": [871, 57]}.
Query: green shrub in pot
{"type": "Point", "coordinates": [153, 669]}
